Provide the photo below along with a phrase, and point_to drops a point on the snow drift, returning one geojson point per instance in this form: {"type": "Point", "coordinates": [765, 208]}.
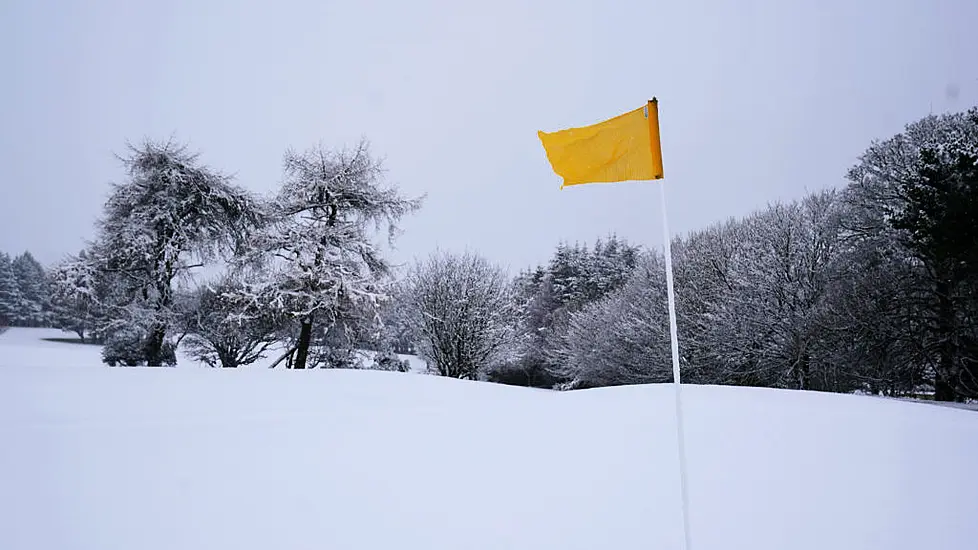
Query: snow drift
{"type": "Point", "coordinates": [102, 458]}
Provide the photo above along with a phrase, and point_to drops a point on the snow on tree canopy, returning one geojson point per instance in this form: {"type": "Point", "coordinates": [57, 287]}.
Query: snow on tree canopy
{"type": "Point", "coordinates": [169, 214]}
{"type": "Point", "coordinates": [33, 305]}
{"type": "Point", "coordinates": [316, 240]}
{"type": "Point", "coordinates": [10, 296]}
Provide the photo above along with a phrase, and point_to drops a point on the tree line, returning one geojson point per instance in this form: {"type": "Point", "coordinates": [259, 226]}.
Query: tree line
{"type": "Point", "coordinates": [868, 287]}
{"type": "Point", "coordinates": [24, 294]}
{"type": "Point", "coordinates": [871, 287]}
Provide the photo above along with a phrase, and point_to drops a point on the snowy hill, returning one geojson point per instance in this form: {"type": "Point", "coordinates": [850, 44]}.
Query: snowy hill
{"type": "Point", "coordinates": [102, 458]}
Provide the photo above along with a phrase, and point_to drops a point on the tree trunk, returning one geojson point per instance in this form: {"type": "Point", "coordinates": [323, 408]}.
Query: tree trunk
{"type": "Point", "coordinates": [302, 350]}
{"type": "Point", "coordinates": [946, 376]}
{"type": "Point", "coordinates": [804, 372]}
{"type": "Point", "coordinates": [227, 358]}
{"type": "Point", "coordinates": [943, 391]}
{"type": "Point", "coordinates": [154, 346]}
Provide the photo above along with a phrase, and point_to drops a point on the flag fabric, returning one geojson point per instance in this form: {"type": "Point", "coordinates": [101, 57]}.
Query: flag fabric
{"type": "Point", "coordinates": [623, 148]}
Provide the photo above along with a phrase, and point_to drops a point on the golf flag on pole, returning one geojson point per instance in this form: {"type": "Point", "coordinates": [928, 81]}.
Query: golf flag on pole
{"type": "Point", "coordinates": [623, 148]}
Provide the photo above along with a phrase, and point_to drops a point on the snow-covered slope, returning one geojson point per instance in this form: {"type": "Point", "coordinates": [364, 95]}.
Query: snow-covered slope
{"type": "Point", "coordinates": [102, 458]}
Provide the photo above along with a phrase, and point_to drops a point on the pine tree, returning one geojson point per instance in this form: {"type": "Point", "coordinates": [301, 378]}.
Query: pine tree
{"type": "Point", "coordinates": [548, 296]}
{"type": "Point", "coordinates": [10, 297]}
{"type": "Point", "coordinates": [535, 307]}
{"type": "Point", "coordinates": [940, 227]}
{"type": "Point", "coordinates": [916, 191]}
{"type": "Point", "coordinates": [82, 296]}
{"type": "Point", "coordinates": [32, 310]}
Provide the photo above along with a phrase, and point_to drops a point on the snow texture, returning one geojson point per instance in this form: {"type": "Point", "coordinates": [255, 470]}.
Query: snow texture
{"type": "Point", "coordinates": [159, 458]}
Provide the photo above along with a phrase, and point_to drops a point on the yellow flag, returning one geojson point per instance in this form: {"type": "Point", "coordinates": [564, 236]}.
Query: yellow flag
{"type": "Point", "coordinates": [623, 148]}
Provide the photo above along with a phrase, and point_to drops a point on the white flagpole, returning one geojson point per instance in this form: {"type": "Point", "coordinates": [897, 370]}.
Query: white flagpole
{"type": "Point", "coordinates": [676, 383]}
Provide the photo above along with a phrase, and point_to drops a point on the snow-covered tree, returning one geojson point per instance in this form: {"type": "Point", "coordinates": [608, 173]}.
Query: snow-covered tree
{"type": "Point", "coordinates": [708, 282]}
{"type": "Point", "coordinates": [227, 330]}
{"type": "Point", "coordinates": [547, 297]}
{"type": "Point", "coordinates": [571, 277]}
{"type": "Point", "coordinates": [395, 335]}
{"type": "Point", "coordinates": [33, 306]}
{"type": "Point", "coordinates": [75, 304]}
{"type": "Point", "coordinates": [919, 189]}
{"type": "Point", "coordinates": [873, 334]}
{"type": "Point", "coordinates": [463, 313]}
{"type": "Point", "coordinates": [535, 306]}
{"type": "Point", "coordinates": [751, 296]}
{"type": "Point", "coordinates": [787, 271]}
{"type": "Point", "coordinates": [622, 338]}
{"type": "Point", "coordinates": [317, 243]}
{"type": "Point", "coordinates": [169, 216]}
{"type": "Point", "coordinates": [10, 297]}
{"type": "Point", "coordinates": [610, 267]}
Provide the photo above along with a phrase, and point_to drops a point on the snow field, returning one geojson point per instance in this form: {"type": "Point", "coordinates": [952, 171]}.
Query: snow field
{"type": "Point", "coordinates": [120, 458]}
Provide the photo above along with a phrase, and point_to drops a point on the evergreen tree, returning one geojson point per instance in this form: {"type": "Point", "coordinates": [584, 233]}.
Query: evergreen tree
{"type": "Point", "coordinates": [917, 190]}
{"type": "Point", "coordinates": [32, 309]}
{"type": "Point", "coordinates": [549, 296]}
{"type": "Point", "coordinates": [535, 307]}
{"type": "Point", "coordinates": [10, 297]}
{"type": "Point", "coordinates": [82, 297]}
{"type": "Point", "coordinates": [940, 227]}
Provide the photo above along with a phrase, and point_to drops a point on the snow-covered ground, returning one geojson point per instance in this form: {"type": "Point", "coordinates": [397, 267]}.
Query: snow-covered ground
{"type": "Point", "coordinates": [28, 347]}
{"type": "Point", "coordinates": [123, 458]}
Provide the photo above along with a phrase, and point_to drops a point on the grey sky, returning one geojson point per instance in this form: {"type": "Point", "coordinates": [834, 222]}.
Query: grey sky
{"type": "Point", "coordinates": [759, 101]}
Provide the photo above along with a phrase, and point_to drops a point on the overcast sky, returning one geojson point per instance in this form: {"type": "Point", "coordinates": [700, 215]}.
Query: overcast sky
{"type": "Point", "coordinates": [759, 101]}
